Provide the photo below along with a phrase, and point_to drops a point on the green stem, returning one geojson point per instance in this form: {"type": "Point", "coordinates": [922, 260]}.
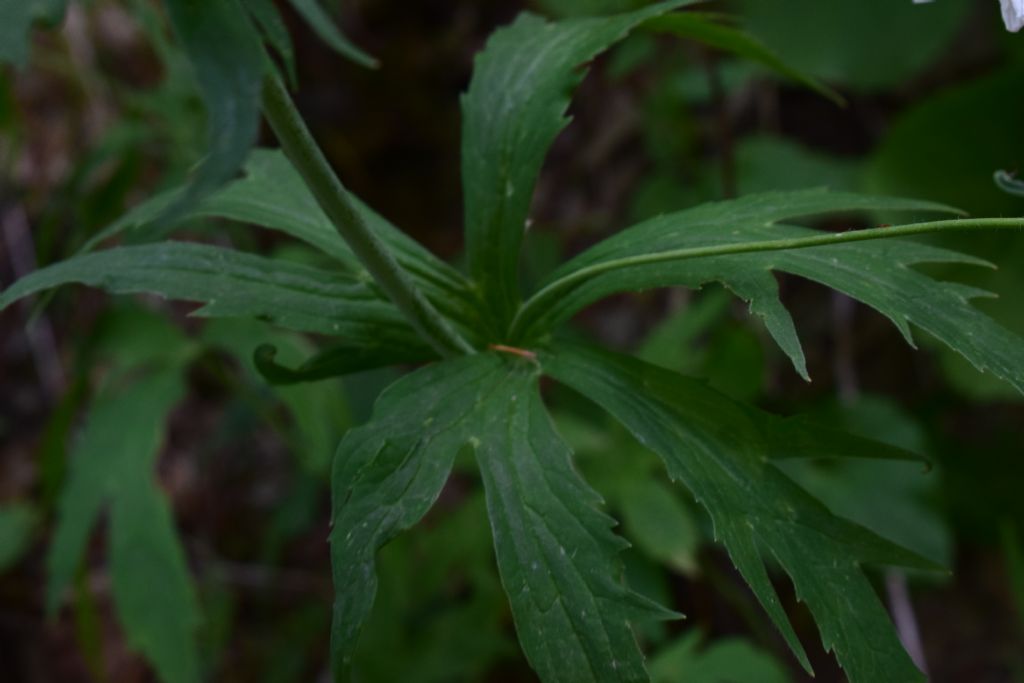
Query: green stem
{"type": "Point", "coordinates": [536, 306]}
{"type": "Point", "coordinates": [301, 148]}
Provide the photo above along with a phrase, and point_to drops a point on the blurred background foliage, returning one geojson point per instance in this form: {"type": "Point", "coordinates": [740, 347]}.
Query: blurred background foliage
{"type": "Point", "coordinates": [105, 113]}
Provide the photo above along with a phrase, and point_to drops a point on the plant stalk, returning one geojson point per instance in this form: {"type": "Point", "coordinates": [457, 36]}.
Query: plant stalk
{"type": "Point", "coordinates": [536, 305]}
{"type": "Point", "coordinates": [303, 151]}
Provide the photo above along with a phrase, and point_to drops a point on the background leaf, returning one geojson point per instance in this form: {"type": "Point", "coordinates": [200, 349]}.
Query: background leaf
{"type": "Point", "coordinates": [321, 22]}
{"type": "Point", "coordinates": [726, 660]}
{"type": "Point", "coordinates": [829, 40]}
{"type": "Point", "coordinates": [17, 522]}
{"type": "Point", "coordinates": [15, 22]}
{"type": "Point", "coordinates": [112, 465]}
{"type": "Point", "coordinates": [228, 62]}
{"type": "Point", "coordinates": [711, 29]}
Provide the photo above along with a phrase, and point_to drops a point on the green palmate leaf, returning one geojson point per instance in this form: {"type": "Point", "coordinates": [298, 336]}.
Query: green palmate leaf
{"type": "Point", "coordinates": [228, 61]}
{"type": "Point", "coordinates": [709, 29]}
{"type": "Point", "coordinates": [235, 284]}
{"type": "Point", "coordinates": [891, 498]}
{"type": "Point", "coordinates": [655, 253]}
{"type": "Point", "coordinates": [324, 26]}
{"type": "Point", "coordinates": [556, 552]}
{"type": "Point", "coordinates": [557, 555]}
{"type": "Point", "coordinates": [112, 465]}
{"type": "Point", "coordinates": [719, 451]}
{"type": "Point", "coordinates": [273, 195]}
{"type": "Point", "coordinates": [514, 109]}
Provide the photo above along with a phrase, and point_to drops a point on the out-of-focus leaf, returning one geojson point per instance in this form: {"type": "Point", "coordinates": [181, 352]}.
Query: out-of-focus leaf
{"type": "Point", "coordinates": [153, 592]}
{"type": "Point", "coordinates": [1013, 550]}
{"type": "Point", "coordinates": [765, 163]}
{"type": "Point", "coordinates": [972, 121]}
{"type": "Point", "coordinates": [413, 635]}
{"type": "Point", "coordinates": [515, 107]}
{"type": "Point", "coordinates": [890, 498]}
{"type": "Point", "coordinates": [112, 465]}
{"type": "Point", "coordinates": [15, 22]}
{"type": "Point", "coordinates": [320, 412]}
{"type": "Point", "coordinates": [867, 44]}
{"type": "Point", "coordinates": [671, 343]}
{"type": "Point", "coordinates": [132, 336]}
{"type": "Point", "coordinates": [719, 452]}
{"type": "Point", "coordinates": [710, 29]}
{"type": "Point", "coordinates": [590, 8]}
{"type": "Point", "coordinates": [659, 524]}
{"type": "Point", "coordinates": [228, 62]}
{"type": "Point", "coordinates": [17, 521]}
{"type": "Point", "coordinates": [324, 26]}
{"type": "Point", "coordinates": [727, 660]}
{"type": "Point", "coordinates": [48, 12]}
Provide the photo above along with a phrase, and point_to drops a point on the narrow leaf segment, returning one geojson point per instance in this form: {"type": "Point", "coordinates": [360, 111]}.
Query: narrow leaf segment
{"type": "Point", "coordinates": [234, 284]}
{"type": "Point", "coordinates": [721, 454]}
{"type": "Point", "coordinates": [515, 107]}
{"type": "Point", "coordinates": [557, 554]}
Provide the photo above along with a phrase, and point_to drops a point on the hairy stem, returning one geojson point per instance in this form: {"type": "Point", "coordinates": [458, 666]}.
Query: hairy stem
{"type": "Point", "coordinates": [301, 148]}
{"type": "Point", "coordinates": [541, 300]}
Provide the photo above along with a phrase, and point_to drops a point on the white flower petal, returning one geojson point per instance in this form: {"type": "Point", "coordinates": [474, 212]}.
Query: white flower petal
{"type": "Point", "coordinates": [1013, 14]}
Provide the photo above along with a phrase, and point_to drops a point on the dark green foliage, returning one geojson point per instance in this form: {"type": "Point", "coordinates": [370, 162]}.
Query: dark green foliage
{"type": "Point", "coordinates": [112, 468]}
{"type": "Point", "coordinates": [557, 556]}
{"type": "Point", "coordinates": [228, 60]}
